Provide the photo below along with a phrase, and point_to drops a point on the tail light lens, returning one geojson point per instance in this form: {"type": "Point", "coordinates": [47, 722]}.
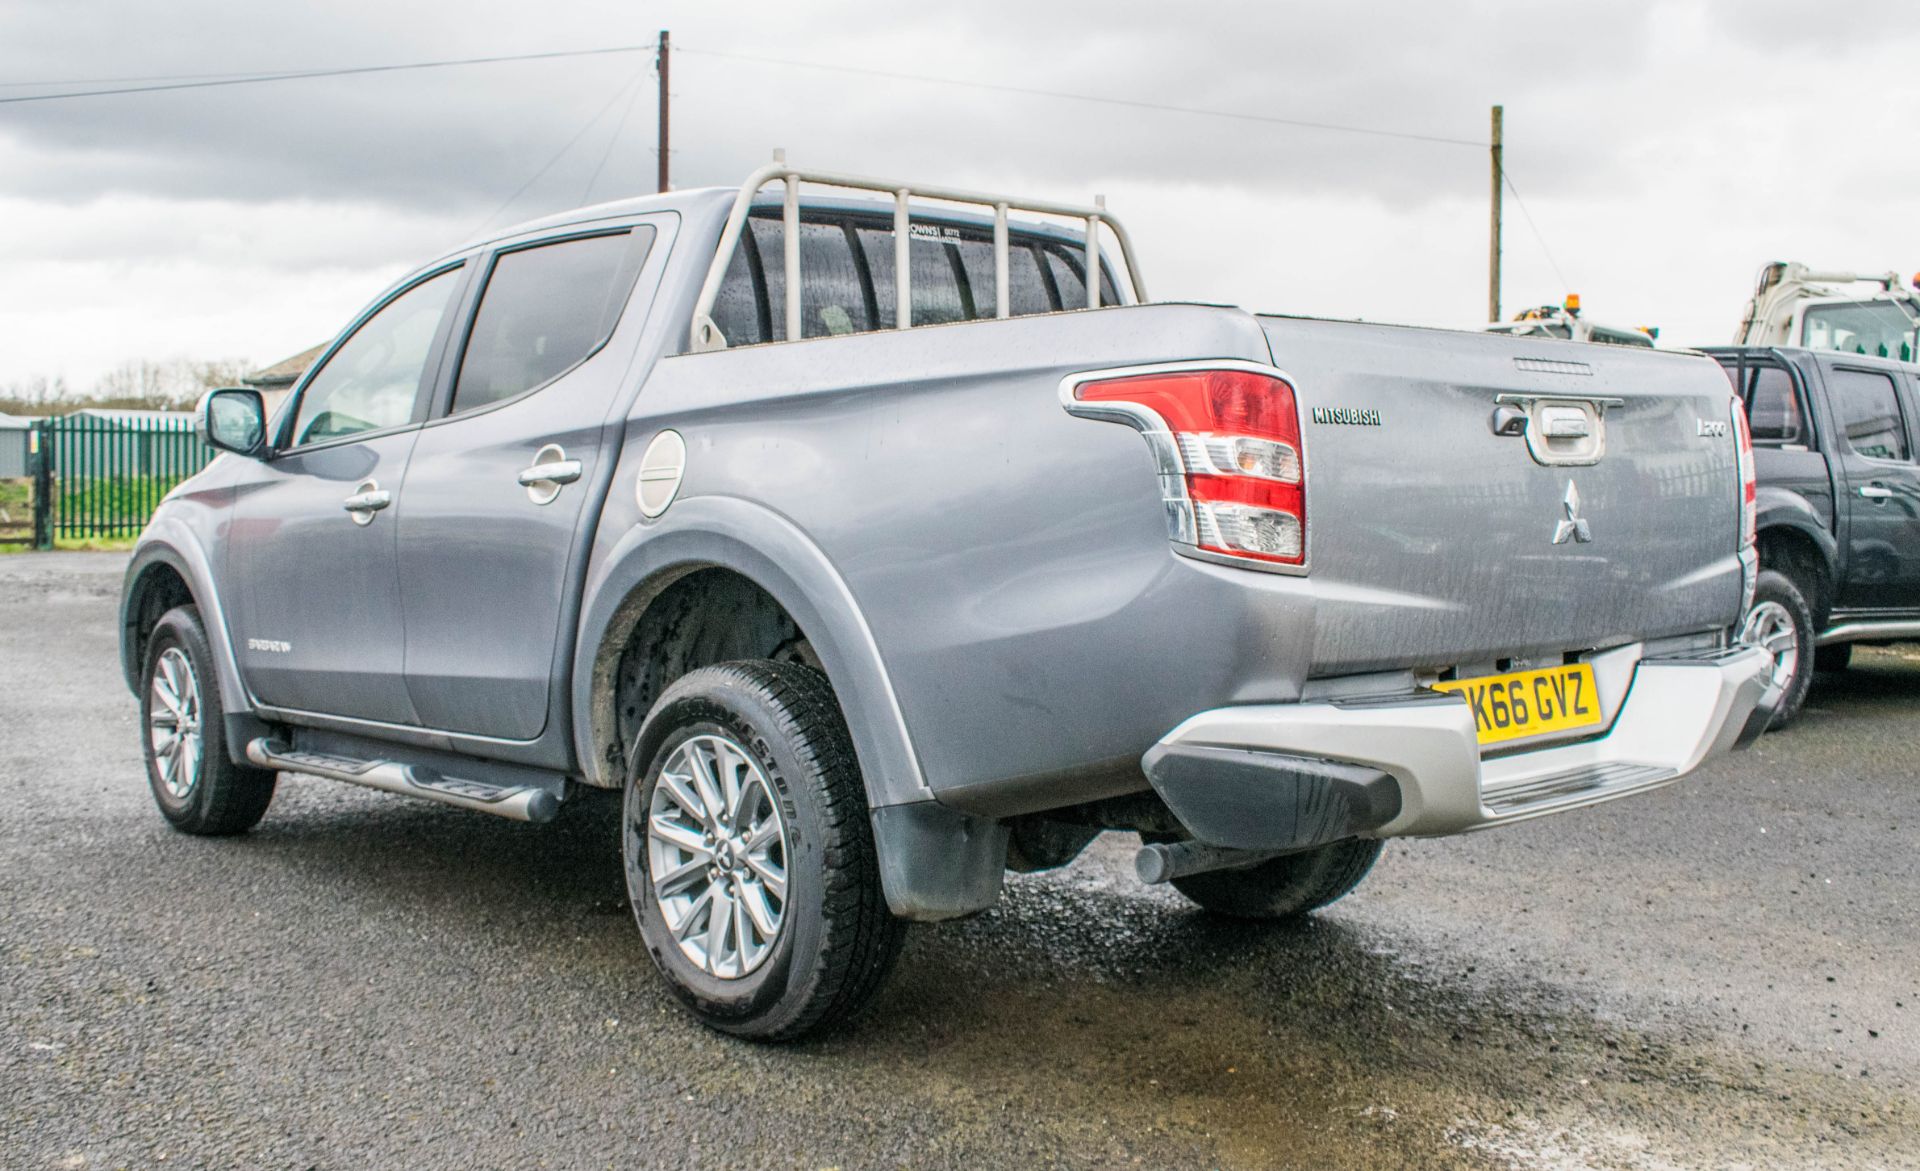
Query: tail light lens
{"type": "Point", "coordinates": [1229, 443]}
{"type": "Point", "coordinates": [1749, 489]}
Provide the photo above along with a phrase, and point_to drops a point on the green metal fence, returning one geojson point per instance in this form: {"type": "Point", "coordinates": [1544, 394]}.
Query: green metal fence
{"type": "Point", "coordinates": [102, 475]}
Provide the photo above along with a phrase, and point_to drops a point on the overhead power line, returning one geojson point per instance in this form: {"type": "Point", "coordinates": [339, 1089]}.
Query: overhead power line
{"type": "Point", "coordinates": [216, 81]}
{"type": "Point", "coordinates": [1131, 103]}
{"type": "Point", "coordinates": [113, 87]}
{"type": "Point", "coordinates": [1542, 240]}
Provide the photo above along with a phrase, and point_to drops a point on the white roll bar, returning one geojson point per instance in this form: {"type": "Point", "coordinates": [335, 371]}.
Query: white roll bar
{"type": "Point", "coordinates": [707, 336]}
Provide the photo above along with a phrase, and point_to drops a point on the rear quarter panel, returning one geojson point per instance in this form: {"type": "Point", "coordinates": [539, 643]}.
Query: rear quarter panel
{"type": "Point", "coordinates": [1010, 562]}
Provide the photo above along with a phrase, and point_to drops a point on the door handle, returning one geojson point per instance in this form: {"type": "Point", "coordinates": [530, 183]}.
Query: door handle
{"type": "Point", "coordinates": [564, 471]}
{"type": "Point", "coordinates": [1875, 491]}
{"type": "Point", "coordinates": [551, 469]}
{"type": "Point", "coordinates": [366, 500]}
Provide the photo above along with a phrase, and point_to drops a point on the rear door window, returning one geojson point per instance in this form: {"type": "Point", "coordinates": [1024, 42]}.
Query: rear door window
{"type": "Point", "coordinates": [544, 310]}
{"type": "Point", "coordinates": [1869, 412]}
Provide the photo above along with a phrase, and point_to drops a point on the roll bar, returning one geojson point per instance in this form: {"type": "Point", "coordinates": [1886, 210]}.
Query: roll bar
{"type": "Point", "coordinates": [707, 336]}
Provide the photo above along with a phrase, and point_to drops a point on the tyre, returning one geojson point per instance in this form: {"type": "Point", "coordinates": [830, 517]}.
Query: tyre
{"type": "Point", "coordinates": [1833, 658]}
{"type": "Point", "coordinates": [1286, 887]}
{"type": "Point", "coordinates": [749, 856]}
{"type": "Point", "coordinates": [1781, 622]}
{"type": "Point", "coordinates": [194, 781]}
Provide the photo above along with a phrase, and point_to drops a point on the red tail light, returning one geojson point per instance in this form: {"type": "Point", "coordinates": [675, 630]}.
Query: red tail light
{"type": "Point", "coordinates": [1230, 441]}
{"type": "Point", "coordinates": [1749, 489]}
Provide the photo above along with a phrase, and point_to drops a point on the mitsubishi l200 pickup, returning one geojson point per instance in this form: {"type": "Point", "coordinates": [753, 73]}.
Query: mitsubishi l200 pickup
{"type": "Point", "coordinates": [875, 546]}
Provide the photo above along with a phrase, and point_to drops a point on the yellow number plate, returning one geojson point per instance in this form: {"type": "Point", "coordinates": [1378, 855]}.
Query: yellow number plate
{"type": "Point", "coordinates": [1527, 703]}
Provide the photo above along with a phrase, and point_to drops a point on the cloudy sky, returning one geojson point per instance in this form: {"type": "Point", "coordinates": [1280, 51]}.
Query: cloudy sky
{"type": "Point", "coordinates": [1664, 150]}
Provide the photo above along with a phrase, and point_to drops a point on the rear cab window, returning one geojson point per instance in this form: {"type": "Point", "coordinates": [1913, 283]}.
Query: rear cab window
{"type": "Point", "coordinates": [847, 263]}
{"type": "Point", "coordinates": [1775, 413]}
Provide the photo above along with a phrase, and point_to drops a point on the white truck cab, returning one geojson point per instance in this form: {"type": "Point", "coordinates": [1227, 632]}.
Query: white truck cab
{"type": "Point", "coordinates": [1793, 305]}
{"type": "Point", "coordinates": [1564, 321]}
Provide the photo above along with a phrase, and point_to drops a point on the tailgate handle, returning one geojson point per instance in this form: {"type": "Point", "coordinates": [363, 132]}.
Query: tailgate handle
{"type": "Point", "coordinates": [1565, 423]}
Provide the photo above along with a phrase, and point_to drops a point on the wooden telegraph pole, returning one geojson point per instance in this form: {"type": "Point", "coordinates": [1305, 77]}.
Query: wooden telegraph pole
{"type": "Point", "coordinates": [1493, 248]}
{"type": "Point", "coordinates": [661, 61]}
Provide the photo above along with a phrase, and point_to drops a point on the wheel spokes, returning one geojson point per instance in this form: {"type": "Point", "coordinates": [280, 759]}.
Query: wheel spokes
{"type": "Point", "coordinates": [664, 829]}
{"type": "Point", "coordinates": [717, 853]}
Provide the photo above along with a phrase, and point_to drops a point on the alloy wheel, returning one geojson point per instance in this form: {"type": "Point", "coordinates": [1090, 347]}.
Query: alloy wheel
{"type": "Point", "coordinates": [173, 723]}
{"type": "Point", "coordinates": [717, 854]}
{"type": "Point", "coordinates": [1770, 625]}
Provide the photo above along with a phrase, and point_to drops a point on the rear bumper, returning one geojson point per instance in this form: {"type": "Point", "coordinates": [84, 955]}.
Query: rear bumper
{"type": "Point", "coordinates": [1290, 776]}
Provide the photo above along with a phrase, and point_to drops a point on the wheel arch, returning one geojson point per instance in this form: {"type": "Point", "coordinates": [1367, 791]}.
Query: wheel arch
{"type": "Point", "coordinates": [751, 550]}
{"type": "Point", "coordinates": [166, 572]}
{"type": "Point", "coordinates": [1793, 541]}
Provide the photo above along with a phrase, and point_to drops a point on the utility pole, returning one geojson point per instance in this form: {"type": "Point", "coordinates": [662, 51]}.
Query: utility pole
{"type": "Point", "coordinates": [1493, 247]}
{"type": "Point", "coordinates": [661, 62]}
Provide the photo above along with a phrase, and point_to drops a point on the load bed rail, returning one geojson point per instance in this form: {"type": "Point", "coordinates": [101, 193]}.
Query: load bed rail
{"type": "Point", "coordinates": [706, 335]}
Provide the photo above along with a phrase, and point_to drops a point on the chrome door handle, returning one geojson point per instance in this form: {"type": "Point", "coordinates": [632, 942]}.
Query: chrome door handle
{"type": "Point", "coordinates": [564, 471]}
{"type": "Point", "coordinates": [1875, 491]}
{"type": "Point", "coordinates": [366, 500]}
{"type": "Point", "coordinates": [551, 468]}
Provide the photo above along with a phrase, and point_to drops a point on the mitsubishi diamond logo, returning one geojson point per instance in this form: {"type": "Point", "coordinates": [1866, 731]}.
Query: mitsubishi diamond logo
{"type": "Point", "coordinates": [1575, 525]}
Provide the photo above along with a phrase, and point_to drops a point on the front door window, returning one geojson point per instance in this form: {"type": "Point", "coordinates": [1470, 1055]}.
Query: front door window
{"type": "Point", "coordinates": [374, 380]}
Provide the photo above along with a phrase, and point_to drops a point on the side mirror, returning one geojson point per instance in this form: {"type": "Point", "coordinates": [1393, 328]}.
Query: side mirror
{"type": "Point", "coordinates": [233, 419]}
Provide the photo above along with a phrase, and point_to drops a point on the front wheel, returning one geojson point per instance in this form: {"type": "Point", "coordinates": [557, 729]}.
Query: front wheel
{"type": "Point", "coordinates": [196, 784]}
{"type": "Point", "coordinates": [1781, 623]}
{"type": "Point", "coordinates": [749, 857]}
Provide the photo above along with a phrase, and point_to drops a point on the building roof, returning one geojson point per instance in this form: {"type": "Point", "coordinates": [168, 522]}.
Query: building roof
{"type": "Point", "coordinates": [286, 371]}
{"type": "Point", "coordinates": [17, 422]}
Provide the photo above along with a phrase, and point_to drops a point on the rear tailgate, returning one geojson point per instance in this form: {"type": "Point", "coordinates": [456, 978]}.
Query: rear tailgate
{"type": "Point", "coordinates": [1434, 542]}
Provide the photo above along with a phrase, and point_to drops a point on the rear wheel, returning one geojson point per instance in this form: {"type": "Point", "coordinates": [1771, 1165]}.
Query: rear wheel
{"type": "Point", "coordinates": [749, 856]}
{"type": "Point", "coordinates": [196, 784]}
{"type": "Point", "coordinates": [1781, 623]}
{"type": "Point", "coordinates": [1286, 887]}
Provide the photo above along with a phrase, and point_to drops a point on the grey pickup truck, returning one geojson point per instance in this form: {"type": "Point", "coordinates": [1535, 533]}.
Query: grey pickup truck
{"type": "Point", "coordinates": [878, 540]}
{"type": "Point", "coordinates": [1839, 505]}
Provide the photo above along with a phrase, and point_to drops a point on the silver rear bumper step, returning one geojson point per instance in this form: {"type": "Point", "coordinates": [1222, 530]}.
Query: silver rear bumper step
{"type": "Point", "coordinates": [532, 803]}
{"type": "Point", "coordinates": [1677, 712]}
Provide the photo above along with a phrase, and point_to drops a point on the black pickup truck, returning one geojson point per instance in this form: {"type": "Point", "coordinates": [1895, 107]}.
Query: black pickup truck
{"type": "Point", "coordinates": [1839, 505]}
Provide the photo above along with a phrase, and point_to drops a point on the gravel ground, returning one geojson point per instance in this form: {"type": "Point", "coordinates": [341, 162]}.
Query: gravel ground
{"type": "Point", "coordinates": [1724, 974]}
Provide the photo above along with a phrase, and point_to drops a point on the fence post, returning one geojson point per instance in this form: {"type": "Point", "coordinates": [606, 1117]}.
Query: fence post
{"type": "Point", "coordinates": [40, 450]}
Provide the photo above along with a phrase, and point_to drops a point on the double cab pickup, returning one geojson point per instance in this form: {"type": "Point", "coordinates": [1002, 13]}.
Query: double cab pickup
{"type": "Point", "coordinates": [873, 547]}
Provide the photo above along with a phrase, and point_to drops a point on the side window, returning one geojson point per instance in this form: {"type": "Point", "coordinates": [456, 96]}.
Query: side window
{"type": "Point", "coordinates": [1773, 408]}
{"type": "Point", "coordinates": [545, 309]}
{"type": "Point", "coordinates": [375, 380]}
{"type": "Point", "coordinates": [1869, 413]}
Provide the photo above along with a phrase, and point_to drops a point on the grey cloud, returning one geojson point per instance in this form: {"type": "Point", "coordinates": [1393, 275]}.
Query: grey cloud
{"type": "Point", "coordinates": [458, 140]}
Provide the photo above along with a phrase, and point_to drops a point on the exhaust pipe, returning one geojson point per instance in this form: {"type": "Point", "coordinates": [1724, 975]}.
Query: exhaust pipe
{"type": "Point", "coordinates": [1165, 861]}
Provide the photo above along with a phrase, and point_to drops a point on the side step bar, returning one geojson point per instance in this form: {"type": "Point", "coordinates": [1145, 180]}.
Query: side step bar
{"type": "Point", "coordinates": [519, 802]}
{"type": "Point", "coordinates": [1891, 629]}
